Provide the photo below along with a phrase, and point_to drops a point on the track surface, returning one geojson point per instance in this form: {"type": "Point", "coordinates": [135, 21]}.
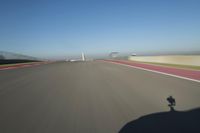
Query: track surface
{"type": "Point", "coordinates": [86, 97]}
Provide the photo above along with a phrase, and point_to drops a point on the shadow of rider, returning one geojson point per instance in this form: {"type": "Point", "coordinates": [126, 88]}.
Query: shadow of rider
{"type": "Point", "coordinates": [172, 103]}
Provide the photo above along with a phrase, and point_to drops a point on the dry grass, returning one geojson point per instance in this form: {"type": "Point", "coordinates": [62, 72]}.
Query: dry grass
{"type": "Point", "coordinates": [175, 65]}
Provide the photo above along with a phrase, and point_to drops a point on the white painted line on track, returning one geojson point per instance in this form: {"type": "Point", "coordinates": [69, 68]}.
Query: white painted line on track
{"type": "Point", "coordinates": [155, 71]}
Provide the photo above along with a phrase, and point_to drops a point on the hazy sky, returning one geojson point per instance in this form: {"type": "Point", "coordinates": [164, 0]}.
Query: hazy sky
{"type": "Point", "coordinates": [48, 28]}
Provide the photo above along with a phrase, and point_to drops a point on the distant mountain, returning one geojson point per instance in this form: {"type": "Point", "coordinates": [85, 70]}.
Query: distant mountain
{"type": "Point", "coordinates": [9, 55]}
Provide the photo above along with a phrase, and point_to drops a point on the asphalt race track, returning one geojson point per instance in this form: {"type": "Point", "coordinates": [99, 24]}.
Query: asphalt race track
{"type": "Point", "coordinates": [86, 97]}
